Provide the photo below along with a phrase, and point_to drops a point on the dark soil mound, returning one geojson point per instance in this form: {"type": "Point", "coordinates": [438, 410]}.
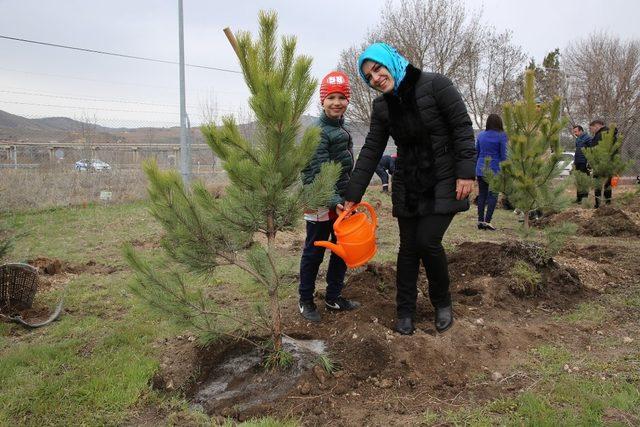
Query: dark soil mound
{"type": "Point", "coordinates": [493, 326]}
{"type": "Point", "coordinates": [610, 221]}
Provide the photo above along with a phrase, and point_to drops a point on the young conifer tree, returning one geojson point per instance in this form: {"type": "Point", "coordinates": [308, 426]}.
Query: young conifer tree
{"type": "Point", "coordinates": [605, 159]}
{"type": "Point", "coordinates": [264, 196]}
{"type": "Point", "coordinates": [534, 154]}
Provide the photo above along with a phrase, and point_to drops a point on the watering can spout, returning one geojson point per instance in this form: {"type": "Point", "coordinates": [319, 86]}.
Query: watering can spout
{"type": "Point", "coordinates": [336, 249]}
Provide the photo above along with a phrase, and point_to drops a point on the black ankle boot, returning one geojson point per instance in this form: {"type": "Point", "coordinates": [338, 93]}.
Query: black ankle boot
{"type": "Point", "coordinates": [405, 326]}
{"type": "Point", "coordinates": [444, 318]}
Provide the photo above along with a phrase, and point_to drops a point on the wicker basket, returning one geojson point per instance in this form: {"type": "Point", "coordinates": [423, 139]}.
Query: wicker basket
{"type": "Point", "coordinates": [18, 286]}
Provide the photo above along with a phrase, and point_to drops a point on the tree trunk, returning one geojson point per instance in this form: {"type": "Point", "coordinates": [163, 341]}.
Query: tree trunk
{"type": "Point", "coordinates": [526, 220]}
{"type": "Point", "coordinates": [276, 318]}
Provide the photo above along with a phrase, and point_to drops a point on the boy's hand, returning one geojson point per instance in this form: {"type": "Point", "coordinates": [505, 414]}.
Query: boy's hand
{"type": "Point", "coordinates": [348, 205]}
{"type": "Point", "coordinates": [339, 208]}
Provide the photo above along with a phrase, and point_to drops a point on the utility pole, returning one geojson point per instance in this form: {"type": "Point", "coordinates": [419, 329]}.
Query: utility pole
{"type": "Point", "coordinates": [185, 149]}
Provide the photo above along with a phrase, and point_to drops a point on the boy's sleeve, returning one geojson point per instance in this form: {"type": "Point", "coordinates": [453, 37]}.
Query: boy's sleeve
{"type": "Point", "coordinates": [320, 156]}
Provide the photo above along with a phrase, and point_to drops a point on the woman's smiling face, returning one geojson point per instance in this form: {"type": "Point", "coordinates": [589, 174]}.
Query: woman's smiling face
{"type": "Point", "coordinates": [378, 76]}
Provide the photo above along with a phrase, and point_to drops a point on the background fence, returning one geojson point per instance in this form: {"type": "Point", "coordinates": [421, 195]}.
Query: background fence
{"type": "Point", "coordinates": [38, 157]}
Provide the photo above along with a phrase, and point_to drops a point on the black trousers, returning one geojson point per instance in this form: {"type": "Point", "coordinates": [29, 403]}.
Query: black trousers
{"type": "Point", "coordinates": [421, 240]}
{"type": "Point", "coordinates": [607, 193]}
{"type": "Point", "coordinates": [582, 167]}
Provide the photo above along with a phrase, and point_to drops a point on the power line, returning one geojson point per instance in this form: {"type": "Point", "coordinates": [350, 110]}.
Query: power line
{"type": "Point", "coordinates": [103, 109]}
{"type": "Point", "coordinates": [111, 82]}
{"type": "Point", "coordinates": [90, 99]}
{"type": "Point", "coordinates": [121, 55]}
{"type": "Point", "coordinates": [87, 108]}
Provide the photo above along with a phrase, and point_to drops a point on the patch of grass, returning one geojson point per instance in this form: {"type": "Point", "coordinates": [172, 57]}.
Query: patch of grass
{"type": "Point", "coordinates": [526, 279]}
{"type": "Point", "coordinates": [266, 422]}
{"type": "Point", "coordinates": [559, 397]}
{"type": "Point", "coordinates": [429, 418]}
{"type": "Point", "coordinates": [586, 312]}
{"type": "Point", "coordinates": [71, 379]}
{"type": "Point", "coordinates": [79, 234]}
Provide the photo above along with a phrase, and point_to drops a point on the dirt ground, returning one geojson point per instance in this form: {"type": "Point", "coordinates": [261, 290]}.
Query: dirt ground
{"type": "Point", "coordinates": [388, 379]}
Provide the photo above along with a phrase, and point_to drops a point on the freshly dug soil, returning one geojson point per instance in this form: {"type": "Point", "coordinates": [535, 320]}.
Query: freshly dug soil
{"type": "Point", "coordinates": [393, 377]}
{"type": "Point", "coordinates": [610, 221]}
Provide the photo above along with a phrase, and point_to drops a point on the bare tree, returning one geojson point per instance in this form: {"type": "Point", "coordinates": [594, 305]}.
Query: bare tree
{"type": "Point", "coordinates": [490, 75]}
{"type": "Point", "coordinates": [604, 79]}
{"type": "Point", "coordinates": [444, 37]}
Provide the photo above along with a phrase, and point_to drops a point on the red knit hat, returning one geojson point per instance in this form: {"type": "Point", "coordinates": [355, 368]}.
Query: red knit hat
{"type": "Point", "coordinates": [335, 82]}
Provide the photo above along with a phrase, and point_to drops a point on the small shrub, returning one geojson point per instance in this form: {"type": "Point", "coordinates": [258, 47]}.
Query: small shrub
{"type": "Point", "coordinates": [526, 279]}
{"type": "Point", "coordinates": [326, 363]}
{"type": "Point", "coordinates": [278, 359]}
{"type": "Point", "coordinates": [557, 236]}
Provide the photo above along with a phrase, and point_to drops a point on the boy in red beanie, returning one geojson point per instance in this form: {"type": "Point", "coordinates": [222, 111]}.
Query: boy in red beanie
{"type": "Point", "coordinates": [335, 146]}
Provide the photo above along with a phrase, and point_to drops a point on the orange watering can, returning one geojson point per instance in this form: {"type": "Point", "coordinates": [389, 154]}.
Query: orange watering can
{"type": "Point", "coordinates": [355, 235]}
{"type": "Point", "coordinates": [614, 181]}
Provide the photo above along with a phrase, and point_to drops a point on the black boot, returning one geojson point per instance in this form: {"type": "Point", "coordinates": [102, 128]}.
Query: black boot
{"type": "Point", "coordinates": [444, 318]}
{"type": "Point", "coordinates": [405, 326]}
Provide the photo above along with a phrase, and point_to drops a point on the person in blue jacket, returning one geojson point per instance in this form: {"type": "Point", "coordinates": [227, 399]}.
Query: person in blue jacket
{"type": "Point", "coordinates": [490, 144]}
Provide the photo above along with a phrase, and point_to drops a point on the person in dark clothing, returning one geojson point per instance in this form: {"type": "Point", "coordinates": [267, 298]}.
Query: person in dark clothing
{"type": "Point", "coordinates": [597, 128]}
{"type": "Point", "coordinates": [335, 146]}
{"type": "Point", "coordinates": [434, 174]}
{"type": "Point", "coordinates": [491, 144]}
{"type": "Point", "coordinates": [583, 140]}
{"type": "Point", "coordinates": [386, 167]}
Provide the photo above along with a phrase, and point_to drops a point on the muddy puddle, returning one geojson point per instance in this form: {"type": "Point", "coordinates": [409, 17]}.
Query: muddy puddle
{"type": "Point", "coordinates": [241, 383]}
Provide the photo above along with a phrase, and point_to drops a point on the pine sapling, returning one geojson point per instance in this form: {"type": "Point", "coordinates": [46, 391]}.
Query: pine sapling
{"type": "Point", "coordinates": [264, 196]}
{"type": "Point", "coordinates": [605, 159]}
{"type": "Point", "coordinates": [528, 176]}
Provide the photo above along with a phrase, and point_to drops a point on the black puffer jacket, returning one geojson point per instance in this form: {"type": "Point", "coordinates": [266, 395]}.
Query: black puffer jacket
{"type": "Point", "coordinates": [448, 128]}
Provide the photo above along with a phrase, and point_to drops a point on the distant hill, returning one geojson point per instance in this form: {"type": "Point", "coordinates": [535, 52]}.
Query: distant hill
{"type": "Point", "coordinates": [64, 129]}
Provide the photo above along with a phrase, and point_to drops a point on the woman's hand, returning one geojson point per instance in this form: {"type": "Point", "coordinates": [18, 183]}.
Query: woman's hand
{"type": "Point", "coordinates": [348, 205]}
{"type": "Point", "coordinates": [463, 188]}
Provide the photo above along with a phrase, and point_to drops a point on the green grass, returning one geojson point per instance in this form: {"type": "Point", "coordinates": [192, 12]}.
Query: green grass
{"type": "Point", "coordinates": [559, 397]}
{"type": "Point", "coordinates": [79, 234]}
{"type": "Point", "coordinates": [587, 312]}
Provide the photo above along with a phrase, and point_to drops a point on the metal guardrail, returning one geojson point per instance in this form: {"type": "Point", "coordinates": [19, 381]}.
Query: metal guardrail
{"type": "Point", "coordinates": [19, 165]}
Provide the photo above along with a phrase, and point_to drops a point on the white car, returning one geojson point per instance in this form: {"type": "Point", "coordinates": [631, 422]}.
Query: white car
{"type": "Point", "coordinates": [566, 163]}
{"type": "Point", "coordinates": [93, 164]}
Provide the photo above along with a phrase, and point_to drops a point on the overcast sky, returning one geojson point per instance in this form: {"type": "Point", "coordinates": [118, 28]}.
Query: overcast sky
{"type": "Point", "coordinates": [41, 81]}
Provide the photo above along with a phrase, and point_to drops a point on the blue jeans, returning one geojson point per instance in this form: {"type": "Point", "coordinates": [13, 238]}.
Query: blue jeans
{"type": "Point", "coordinates": [312, 257]}
{"type": "Point", "coordinates": [485, 198]}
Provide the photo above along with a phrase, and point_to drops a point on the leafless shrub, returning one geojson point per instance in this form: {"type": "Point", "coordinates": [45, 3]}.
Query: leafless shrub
{"type": "Point", "coordinates": [444, 37]}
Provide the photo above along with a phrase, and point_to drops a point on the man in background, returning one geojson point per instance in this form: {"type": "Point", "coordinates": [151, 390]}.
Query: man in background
{"type": "Point", "coordinates": [583, 140]}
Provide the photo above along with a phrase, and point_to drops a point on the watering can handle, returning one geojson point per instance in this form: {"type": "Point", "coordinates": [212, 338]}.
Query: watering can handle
{"type": "Point", "coordinates": [347, 212]}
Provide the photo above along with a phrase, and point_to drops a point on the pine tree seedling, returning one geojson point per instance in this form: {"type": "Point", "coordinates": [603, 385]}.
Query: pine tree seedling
{"type": "Point", "coordinates": [265, 195]}
{"type": "Point", "coordinates": [605, 159]}
{"type": "Point", "coordinates": [534, 161]}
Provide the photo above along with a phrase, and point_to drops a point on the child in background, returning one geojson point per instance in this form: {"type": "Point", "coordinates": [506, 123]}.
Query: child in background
{"type": "Point", "coordinates": [335, 146]}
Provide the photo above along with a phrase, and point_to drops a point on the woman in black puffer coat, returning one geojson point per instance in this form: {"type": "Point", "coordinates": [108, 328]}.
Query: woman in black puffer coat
{"type": "Point", "coordinates": [435, 170]}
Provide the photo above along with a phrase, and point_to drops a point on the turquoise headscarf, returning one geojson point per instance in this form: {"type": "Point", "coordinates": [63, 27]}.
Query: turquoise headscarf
{"type": "Point", "coordinates": [384, 54]}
